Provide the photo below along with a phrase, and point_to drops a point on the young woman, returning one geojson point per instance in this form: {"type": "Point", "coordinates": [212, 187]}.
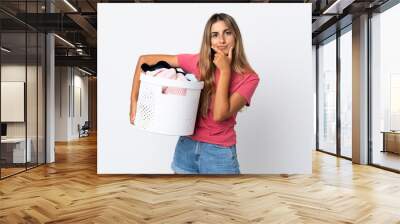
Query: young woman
{"type": "Point", "coordinates": [229, 83]}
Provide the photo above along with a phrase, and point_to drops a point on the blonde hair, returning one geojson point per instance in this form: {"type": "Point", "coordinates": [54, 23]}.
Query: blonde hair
{"type": "Point", "coordinates": [206, 65]}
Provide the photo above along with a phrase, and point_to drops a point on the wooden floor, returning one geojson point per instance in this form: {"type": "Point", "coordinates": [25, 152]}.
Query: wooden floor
{"type": "Point", "coordinates": [5, 172]}
{"type": "Point", "coordinates": [70, 191]}
{"type": "Point", "coordinates": [387, 159]}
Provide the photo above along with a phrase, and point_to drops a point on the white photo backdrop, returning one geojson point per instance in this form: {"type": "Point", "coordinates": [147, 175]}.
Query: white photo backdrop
{"type": "Point", "coordinates": [275, 134]}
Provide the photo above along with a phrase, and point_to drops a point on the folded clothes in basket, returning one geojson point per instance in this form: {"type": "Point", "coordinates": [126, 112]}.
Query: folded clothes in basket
{"type": "Point", "coordinates": [161, 66]}
{"type": "Point", "coordinates": [175, 74]}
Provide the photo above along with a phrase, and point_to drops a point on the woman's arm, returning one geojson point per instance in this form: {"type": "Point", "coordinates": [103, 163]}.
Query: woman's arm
{"type": "Point", "coordinates": [224, 105]}
{"type": "Point", "coordinates": [149, 59]}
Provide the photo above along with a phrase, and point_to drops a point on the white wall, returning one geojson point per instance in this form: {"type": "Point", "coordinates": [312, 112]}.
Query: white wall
{"type": "Point", "coordinates": [314, 74]}
{"type": "Point", "coordinates": [80, 89]}
{"type": "Point", "coordinates": [15, 73]}
{"type": "Point", "coordinates": [67, 85]}
{"type": "Point", "coordinates": [61, 103]}
{"type": "Point", "coordinates": [275, 134]}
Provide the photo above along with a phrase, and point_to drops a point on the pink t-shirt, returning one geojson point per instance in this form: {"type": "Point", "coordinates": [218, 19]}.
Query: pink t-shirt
{"type": "Point", "coordinates": [206, 129]}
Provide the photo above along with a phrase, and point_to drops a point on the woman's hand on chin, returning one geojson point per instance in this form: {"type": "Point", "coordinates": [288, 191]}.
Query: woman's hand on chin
{"type": "Point", "coordinates": [222, 61]}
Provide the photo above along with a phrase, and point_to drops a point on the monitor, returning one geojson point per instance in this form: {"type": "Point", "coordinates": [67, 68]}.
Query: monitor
{"type": "Point", "coordinates": [3, 129]}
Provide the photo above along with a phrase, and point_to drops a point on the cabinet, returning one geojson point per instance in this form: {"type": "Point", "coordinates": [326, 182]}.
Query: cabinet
{"type": "Point", "coordinates": [391, 141]}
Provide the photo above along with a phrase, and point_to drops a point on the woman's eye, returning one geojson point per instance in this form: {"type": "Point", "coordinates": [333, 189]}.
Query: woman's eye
{"type": "Point", "coordinates": [214, 35]}
{"type": "Point", "coordinates": [228, 33]}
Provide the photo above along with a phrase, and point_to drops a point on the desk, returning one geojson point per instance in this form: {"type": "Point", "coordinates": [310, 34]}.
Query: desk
{"type": "Point", "coordinates": [16, 151]}
{"type": "Point", "coordinates": [391, 141]}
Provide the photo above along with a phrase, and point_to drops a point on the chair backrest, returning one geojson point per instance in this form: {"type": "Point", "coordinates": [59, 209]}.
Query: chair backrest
{"type": "Point", "coordinates": [86, 125]}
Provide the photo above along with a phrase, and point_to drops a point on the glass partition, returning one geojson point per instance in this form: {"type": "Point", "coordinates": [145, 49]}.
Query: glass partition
{"type": "Point", "coordinates": [22, 77]}
{"type": "Point", "coordinates": [385, 90]}
{"type": "Point", "coordinates": [327, 96]}
{"type": "Point", "coordinates": [346, 93]}
{"type": "Point", "coordinates": [31, 100]}
{"type": "Point", "coordinates": [13, 95]}
{"type": "Point", "coordinates": [41, 109]}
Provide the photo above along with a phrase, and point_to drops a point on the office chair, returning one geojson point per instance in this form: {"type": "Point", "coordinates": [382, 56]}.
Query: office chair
{"type": "Point", "coordinates": [84, 130]}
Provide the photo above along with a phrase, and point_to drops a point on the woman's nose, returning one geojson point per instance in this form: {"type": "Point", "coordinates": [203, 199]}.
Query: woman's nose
{"type": "Point", "coordinates": [221, 39]}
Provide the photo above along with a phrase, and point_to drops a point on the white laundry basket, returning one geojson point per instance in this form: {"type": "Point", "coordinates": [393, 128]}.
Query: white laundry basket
{"type": "Point", "coordinates": [167, 113]}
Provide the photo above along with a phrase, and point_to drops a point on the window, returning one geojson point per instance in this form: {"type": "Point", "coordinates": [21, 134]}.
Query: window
{"type": "Point", "coordinates": [327, 96]}
{"type": "Point", "coordinates": [346, 93]}
{"type": "Point", "coordinates": [385, 88]}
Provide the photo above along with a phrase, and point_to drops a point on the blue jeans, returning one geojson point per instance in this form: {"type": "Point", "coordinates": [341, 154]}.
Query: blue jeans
{"type": "Point", "coordinates": [194, 157]}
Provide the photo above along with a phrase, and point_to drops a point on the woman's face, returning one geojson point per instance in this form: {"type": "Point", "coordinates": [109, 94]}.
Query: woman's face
{"type": "Point", "coordinates": [222, 37]}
